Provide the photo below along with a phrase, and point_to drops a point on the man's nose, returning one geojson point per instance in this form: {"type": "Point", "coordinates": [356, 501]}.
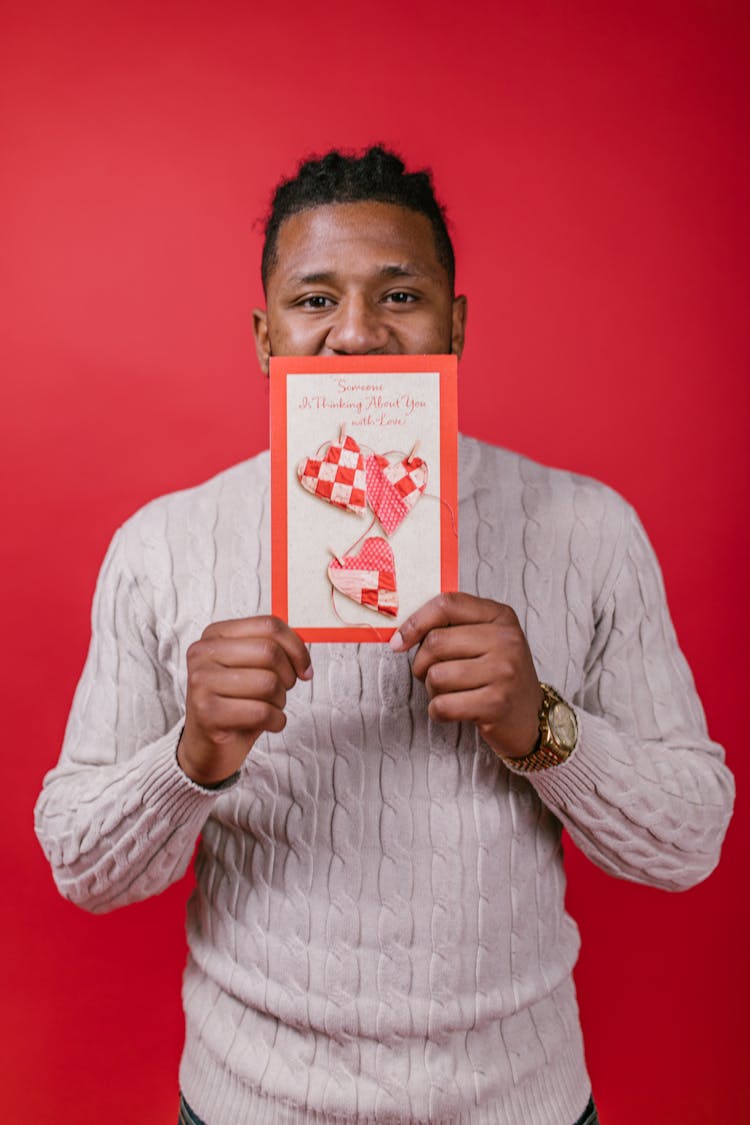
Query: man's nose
{"type": "Point", "coordinates": [358, 328]}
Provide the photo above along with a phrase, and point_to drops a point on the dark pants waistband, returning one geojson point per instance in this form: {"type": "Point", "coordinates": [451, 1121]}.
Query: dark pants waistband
{"type": "Point", "coordinates": [189, 1117]}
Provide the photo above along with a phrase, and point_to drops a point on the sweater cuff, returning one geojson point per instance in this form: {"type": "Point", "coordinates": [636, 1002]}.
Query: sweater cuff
{"type": "Point", "coordinates": [165, 786]}
{"type": "Point", "coordinates": [564, 785]}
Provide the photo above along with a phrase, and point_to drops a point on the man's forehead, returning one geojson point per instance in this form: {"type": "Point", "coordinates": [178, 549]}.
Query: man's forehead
{"type": "Point", "coordinates": [310, 240]}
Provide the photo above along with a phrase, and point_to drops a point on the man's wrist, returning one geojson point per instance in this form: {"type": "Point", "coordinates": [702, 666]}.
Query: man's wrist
{"type": "Point", "coordinates": [557, 738]}
{"type": "Point", "coordinates": [210, 784]}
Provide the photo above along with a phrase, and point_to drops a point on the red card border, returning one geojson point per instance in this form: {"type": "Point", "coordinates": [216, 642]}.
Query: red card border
{"type": "Point", "coordinates": [287, 367]}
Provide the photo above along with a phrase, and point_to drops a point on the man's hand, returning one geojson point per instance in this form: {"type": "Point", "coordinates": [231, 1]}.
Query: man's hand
{"type": "Point", "coordinates": [238, 675]}
{"type": "Point", "coordinates": [475, 661]}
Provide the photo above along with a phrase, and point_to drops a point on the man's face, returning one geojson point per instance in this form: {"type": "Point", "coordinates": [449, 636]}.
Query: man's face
{"type": "Point", "coordinates": [358, 279]}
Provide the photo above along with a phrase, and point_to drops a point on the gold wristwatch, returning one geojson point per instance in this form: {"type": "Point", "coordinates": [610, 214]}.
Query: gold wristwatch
{"type": "Point", "coordinates": [558, 734]}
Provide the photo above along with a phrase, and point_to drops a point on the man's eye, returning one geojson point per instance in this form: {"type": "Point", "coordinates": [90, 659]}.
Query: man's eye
{"type": "Point", "coordinates": [316, 301]}
{"type": "Point", "coordinates": [400, 298]}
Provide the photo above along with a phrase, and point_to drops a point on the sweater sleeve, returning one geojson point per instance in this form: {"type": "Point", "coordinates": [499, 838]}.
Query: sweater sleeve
{"type": "Point", "coordinates": [646, 794]}
{"type": "Point", "coordinates": [117, 818]}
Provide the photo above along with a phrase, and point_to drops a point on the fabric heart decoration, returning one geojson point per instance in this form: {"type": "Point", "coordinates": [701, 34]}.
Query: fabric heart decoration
{"type": "Point", "coordinates": [394, 489]}
{"type": "Point", "coordinates": [369, 577]}
{"type": "Point", "coordinates": [338, 477]}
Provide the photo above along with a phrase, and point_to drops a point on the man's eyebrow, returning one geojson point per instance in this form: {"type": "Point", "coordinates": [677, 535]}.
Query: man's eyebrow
{"type": "Point", "coordinates": [322, 277]}
{"type": "Point", "coordinates": [404, 270]}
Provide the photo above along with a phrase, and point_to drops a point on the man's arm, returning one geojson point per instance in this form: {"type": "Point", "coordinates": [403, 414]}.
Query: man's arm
{"type": "Point", "coordinates": [119, 816]}
{"type": "Point", "coordinates": [645, 794]}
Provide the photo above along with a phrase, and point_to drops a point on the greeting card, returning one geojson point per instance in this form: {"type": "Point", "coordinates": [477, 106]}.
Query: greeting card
{"type": "Point", "coordinates": [363, 491]}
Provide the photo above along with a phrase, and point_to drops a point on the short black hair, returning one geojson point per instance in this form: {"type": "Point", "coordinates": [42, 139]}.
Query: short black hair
{"type": "Point", "coordinates": [377, 174]}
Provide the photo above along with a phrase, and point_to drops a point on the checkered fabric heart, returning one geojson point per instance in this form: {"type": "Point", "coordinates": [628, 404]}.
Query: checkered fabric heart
{"type": "Point", "coordinates": [369, 577]}
{"type": "Point", "coordinates": [338, 477]}
{"type": "Point", "coordinates": [393, 490]}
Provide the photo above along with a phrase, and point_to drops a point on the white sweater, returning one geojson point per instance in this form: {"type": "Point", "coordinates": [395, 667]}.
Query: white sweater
{"type": "Point", "coordinates": [378, 931]}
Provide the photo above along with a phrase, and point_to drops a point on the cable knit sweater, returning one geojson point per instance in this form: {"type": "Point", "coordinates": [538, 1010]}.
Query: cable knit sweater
{"type": "Point", "coordinates": [378, 931]}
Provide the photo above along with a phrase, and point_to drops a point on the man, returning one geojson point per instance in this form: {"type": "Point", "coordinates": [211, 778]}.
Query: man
{"type": "Point", "coordinates": [378, 930]}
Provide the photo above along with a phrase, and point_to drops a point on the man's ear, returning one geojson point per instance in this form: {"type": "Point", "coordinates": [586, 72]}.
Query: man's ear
{"type": "Point", "coordinates": [458, 325]}
{"type": "Point", "coordinates": [262, 342]}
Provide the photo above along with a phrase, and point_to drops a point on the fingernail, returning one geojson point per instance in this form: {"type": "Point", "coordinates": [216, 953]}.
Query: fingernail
{"type": "Point", "coordinates": [307, 674]}
{"type": "Point", "coordinates": [397, 642]}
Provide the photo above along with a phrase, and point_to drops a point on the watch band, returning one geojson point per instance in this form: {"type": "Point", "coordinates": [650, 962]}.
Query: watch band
{"type": "Point", "coordinates": [550, 749]}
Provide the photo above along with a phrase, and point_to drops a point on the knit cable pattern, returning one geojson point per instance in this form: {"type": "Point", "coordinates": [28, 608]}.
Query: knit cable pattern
{"type": "Point", "coordinates": [378, 930]}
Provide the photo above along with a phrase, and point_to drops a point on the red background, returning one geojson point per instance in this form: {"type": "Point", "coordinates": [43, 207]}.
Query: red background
{"type": "Point", "coordinates": [595, 161]}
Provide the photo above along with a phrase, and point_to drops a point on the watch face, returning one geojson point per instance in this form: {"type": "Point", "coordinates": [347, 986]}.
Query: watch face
{"type": "Point", "coordinates": [563, 725]}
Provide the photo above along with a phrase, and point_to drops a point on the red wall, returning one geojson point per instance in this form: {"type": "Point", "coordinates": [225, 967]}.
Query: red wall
{"type": "Point", "coordinates": [595, 161]}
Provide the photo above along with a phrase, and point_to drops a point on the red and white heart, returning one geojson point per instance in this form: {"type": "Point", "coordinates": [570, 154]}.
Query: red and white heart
{"type": "Point", "coordinates": [369, 577]}
{"type": "Point", "coordinates": [338, 477]}
{"type": "Point", "coordinates": [394, 489]}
